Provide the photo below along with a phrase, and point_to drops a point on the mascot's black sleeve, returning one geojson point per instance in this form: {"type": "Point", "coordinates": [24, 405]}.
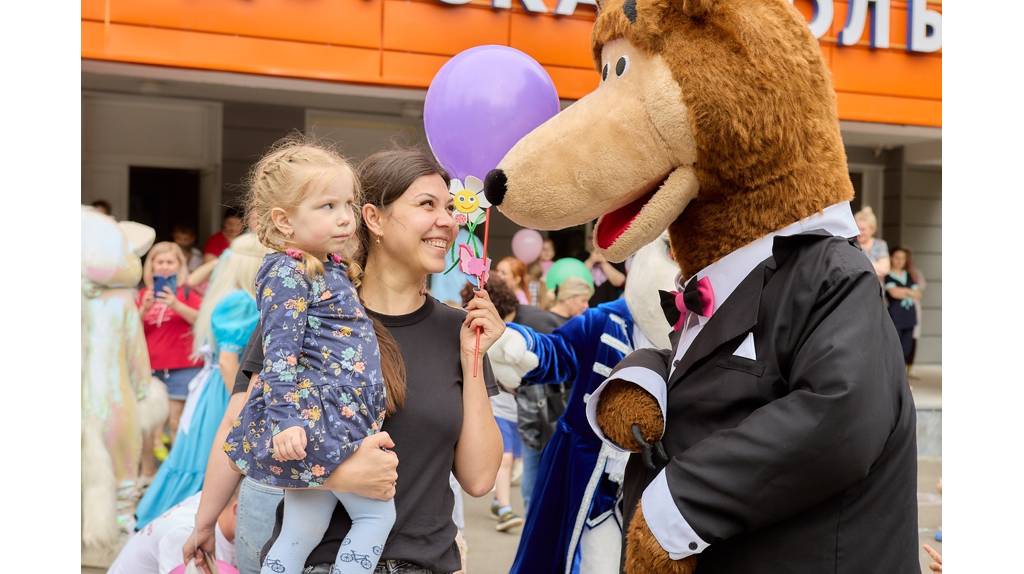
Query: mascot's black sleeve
{"type": "Point", "coordinates": [817, 440]}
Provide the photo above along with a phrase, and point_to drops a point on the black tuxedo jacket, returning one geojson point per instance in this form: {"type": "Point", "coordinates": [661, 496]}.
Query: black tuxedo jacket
{"type": "Point", "coordinates": [803, 460]}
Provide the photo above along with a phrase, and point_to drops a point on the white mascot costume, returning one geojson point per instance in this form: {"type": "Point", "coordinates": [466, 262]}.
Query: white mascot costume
{"type": "Point", "coordinates": [120, 398]}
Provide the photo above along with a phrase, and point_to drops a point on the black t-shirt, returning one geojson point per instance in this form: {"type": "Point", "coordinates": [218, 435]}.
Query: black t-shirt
{"type": "Point", "coordinates": [425, 432]}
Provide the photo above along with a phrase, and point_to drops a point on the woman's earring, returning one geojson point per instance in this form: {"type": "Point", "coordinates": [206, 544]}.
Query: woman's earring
{"type": "Point", "coordinates": [379, 237]}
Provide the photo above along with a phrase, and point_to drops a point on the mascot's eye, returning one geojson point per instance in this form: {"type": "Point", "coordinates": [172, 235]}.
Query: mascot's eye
{"type": "Point", "coordinates": [621, 65]}
{"type": "Point", "coordinates": [604, 73]}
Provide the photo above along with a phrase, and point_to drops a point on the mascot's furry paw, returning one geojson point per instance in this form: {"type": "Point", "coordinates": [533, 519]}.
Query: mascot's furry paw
{"type": "Point", "coordinates": [623, 405]}
{"type": "Point", "coordinates": [644, 555]}
{"type": "Point", "coordinates": [510, 359]}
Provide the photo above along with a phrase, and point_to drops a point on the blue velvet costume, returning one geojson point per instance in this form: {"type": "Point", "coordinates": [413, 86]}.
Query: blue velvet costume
{"type": "Point", "coordinates": [573, 488]}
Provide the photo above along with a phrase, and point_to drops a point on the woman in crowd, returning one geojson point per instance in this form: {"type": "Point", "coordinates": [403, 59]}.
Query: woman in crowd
{"type": "Point", "coordinates": [446, 425]}
{"type": "Point", "coordinates": [902, 295]}
{"type": "Point", "coordinates": [513, 272]}
{"type": "Point", "coordinates": [167, 318]}
{"type": "Point", "coordinates": [226, 318]}
{"type": "Point", "coordinates": [877, 250]}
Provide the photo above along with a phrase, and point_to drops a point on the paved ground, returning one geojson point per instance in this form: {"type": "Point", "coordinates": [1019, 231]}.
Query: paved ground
{"type": "Point", "coordinates": [492, 552]}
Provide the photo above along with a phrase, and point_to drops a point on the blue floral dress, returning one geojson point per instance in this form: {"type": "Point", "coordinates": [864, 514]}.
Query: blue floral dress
{"type": "Point", "coordinates": [181, 475]}
{"type": "Point", "coordinates": [321, 371]}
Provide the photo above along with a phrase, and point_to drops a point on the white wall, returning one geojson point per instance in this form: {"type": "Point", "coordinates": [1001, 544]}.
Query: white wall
{"type": "Point", "coordinates": [119, 131]}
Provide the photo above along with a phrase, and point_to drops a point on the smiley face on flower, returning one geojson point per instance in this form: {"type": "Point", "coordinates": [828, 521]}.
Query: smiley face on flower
{"type": "Point", "coordinates": [468, 200]}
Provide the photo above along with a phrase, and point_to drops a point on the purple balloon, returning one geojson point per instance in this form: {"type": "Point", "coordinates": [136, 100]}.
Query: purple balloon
{"type": "Point", "coordinates": [480, 103]}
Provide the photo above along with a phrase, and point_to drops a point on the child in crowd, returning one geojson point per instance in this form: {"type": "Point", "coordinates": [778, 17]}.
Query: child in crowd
{"type": "Point", "coordinates": [156, 549]}
{"type": "Point", "coordinates": [323, 380]}
{"type": "Point", "coordinates": [167, 318]}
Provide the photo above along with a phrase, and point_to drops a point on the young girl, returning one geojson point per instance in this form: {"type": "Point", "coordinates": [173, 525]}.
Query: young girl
{"type": "Point", "coordinates": [323, 387]}
{"type": "Point", "coordinates": [167, 319]}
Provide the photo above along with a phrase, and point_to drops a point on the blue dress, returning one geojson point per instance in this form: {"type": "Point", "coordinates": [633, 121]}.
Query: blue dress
{"type": "Point", "coordinates": [321, 371]}
{"type": "Point", "coordinates": [181, 475]}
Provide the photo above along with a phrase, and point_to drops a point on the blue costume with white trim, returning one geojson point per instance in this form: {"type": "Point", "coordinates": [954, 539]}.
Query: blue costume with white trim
{"type": "Point", "coordinates": [578, 480]}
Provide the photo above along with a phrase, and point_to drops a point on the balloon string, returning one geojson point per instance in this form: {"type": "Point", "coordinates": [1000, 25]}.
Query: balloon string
{"type": "Point", "coordinates": [479, 280]}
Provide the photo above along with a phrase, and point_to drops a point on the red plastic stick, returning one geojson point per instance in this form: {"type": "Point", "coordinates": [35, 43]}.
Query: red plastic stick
{"type": "Point", "coordinates": [476, 351]}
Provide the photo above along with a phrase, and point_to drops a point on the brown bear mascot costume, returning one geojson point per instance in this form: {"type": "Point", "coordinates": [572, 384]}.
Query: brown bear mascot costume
{"type": "Point", "coordinates": [778, 432]}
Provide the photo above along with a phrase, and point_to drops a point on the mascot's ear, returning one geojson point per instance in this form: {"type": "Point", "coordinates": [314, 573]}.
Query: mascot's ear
{"type": "Point", "coordinates": [697, 8]}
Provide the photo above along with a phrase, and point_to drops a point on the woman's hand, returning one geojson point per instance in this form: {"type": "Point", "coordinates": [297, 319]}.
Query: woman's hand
{"type": "Point", "coordinates": [290, 444]}
{"type": "Point", "coordinates": [371, 471]}
{"type": "Point", "coordinates": [147, 300]}
{"type": "Point", "coordinates": [201, 540]}
{"type": "Point", "coordinates": [936, 565]}
{"type": "Point", "coordinates": [167, 297]}
{"type": "Point", "coordinates": [480, 313]}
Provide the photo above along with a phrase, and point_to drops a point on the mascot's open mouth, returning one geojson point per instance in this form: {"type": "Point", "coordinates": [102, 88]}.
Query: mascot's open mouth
{"type": "Point", "coordinates": [612, 226]}
{"type": "Point", "coordinates": [620, 232]}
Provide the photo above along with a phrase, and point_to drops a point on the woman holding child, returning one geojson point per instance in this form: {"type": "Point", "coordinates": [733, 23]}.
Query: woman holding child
{"type": "Point", "coordinates": [445, 425]}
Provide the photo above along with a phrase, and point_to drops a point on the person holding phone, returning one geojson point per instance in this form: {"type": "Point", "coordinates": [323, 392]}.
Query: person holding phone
{"type": "Point", "coordinates": [168, 310]}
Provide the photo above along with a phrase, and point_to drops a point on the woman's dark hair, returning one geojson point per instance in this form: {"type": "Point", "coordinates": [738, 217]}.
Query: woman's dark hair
{"type": "Point", "coordinates": [909, 267]}
{"type": "Point", "coordinates": [385, 176]}
{"type": "Point", "coordinates": [504, 299]}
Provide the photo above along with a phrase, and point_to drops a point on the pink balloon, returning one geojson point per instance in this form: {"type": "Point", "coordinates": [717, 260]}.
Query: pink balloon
{"type": "Point", "coordinates": [222, 567]}
{"type": "Point", "coordinates": [526, 245]}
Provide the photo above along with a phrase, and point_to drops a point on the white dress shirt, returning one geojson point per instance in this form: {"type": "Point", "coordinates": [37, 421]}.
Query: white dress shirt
{"type": "Point", "coordinates": [667, 524]}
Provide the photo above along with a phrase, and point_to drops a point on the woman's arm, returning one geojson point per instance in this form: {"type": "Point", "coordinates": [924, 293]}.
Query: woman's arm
{"type": "Point", "coordinates": [478, 451]}
{"type": "Point", "coordinates": [219, 482]}
{"type": "Point", "coordinates": [882, 266]}
{"type": "Point", "coordinates": [203, 272]}
{"type": "Point", "coordinates": [187, 313]}
{"type": "Point", "coordinates": [228, 363]}
{"type": "Point", "coordinates": [615, 277]}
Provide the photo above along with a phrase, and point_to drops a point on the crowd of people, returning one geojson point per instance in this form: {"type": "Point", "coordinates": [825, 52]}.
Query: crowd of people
{"type": "Point", "coordinates": [285, 351]}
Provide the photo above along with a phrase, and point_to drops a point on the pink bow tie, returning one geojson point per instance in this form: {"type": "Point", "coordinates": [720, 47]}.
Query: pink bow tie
{"type": "Point", "coordinates": [697, 297]}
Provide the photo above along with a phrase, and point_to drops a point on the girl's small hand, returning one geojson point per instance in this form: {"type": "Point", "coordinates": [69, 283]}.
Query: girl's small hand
{"type": "Point", "coordinates": [167, 297]}
{"type": "Point", "coordinates": [480, 312]}
{"type": "Point", "coordinates": [290, 444]}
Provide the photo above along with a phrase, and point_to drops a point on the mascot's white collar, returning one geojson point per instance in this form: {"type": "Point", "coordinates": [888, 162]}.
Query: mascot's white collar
{"type": "Point", "coordinates": [727, 273]}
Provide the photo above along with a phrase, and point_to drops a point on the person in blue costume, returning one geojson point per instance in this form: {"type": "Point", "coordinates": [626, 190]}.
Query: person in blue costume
{"type": "Point", "coordinates": [226, 318]}
{"type": "Point", "coordinates": [573, 524]}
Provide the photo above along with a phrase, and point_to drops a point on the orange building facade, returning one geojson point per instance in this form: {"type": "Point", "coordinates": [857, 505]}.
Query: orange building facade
{"type": "Point", "coordinates": [404, 42]}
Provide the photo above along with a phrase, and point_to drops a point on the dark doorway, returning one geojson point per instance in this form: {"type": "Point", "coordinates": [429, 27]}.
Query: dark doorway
{"type": "Point", "coordinates": [857, 179]}
{"type": "Point", "coordinates": [163, 197]}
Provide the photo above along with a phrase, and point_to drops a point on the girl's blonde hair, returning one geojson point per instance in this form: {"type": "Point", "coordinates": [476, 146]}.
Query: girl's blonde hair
{"type": "Point", "coordinates": [160, 249]}
{"type": "Point", "coordinates": [293, 168]}
{"type": "Point", "coordinates": [236, 270]}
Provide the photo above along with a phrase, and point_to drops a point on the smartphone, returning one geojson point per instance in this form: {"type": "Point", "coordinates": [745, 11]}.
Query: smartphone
{"type": "Point", "coordinates": [159, 282]}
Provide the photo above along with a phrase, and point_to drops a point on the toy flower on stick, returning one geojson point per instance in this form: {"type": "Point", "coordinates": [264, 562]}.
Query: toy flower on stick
{"type": "Point", "coordinates": [499, 94]}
